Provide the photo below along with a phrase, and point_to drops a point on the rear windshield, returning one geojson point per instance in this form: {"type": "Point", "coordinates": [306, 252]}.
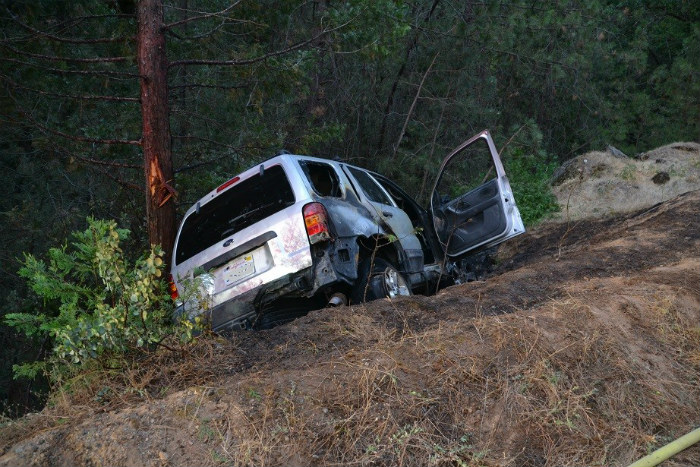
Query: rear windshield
{"type": "Point", "coordinates": [238, 207]}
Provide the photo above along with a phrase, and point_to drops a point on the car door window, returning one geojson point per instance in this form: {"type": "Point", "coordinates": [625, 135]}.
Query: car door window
{"type": "Point", "coordinates": [469, 170]}
{"type": "Point", "coordinates": [390, 219]}
{"type": "Point", "coordinates": [370, 188]}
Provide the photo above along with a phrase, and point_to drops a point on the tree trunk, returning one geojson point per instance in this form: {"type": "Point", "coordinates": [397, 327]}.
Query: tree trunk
{"type": "Point", "coordinates": [155, 138]}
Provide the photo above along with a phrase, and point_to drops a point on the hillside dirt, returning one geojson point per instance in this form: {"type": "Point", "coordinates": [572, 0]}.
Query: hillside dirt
{"type": "Point", "coordinates": [581, 348]}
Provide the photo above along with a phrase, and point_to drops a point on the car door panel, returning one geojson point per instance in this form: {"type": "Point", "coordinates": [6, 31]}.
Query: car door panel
{"type": "Point", "coordinates": [476, 217]}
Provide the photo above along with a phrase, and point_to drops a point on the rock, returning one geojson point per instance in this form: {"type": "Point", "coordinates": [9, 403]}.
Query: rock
{"type": "Point", "coordinates": [660, 178]}
{"type": "Point", "coordinates": [566, 171]}
{"type": "Point", "coordinates": [616, 152]}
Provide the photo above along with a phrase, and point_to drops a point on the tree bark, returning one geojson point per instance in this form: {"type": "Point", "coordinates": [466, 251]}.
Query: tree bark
{"type": "Point", "coordinates": [155, 138]}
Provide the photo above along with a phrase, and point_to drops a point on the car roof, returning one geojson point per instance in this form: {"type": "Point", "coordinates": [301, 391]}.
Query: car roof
{"type": "Point", "coordinates": [281, 159]}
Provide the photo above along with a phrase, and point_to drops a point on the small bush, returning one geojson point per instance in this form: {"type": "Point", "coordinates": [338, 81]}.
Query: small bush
{"type": "Point", "coordinates": [530, 168]}
{"type": "Point", "coordinates": [529, 176]}
{"type": "Point", "coordinates": [97, 305]}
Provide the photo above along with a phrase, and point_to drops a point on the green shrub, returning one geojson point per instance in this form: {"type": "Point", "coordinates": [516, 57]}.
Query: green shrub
{"type": "Point", "coordinates": [97, 305]}
{"type": "Point", "coordinates": [529, 176]}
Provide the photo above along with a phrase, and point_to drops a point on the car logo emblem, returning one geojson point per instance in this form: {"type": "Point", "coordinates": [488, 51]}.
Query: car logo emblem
{"type": "Point", "coordinates": [228, 242]}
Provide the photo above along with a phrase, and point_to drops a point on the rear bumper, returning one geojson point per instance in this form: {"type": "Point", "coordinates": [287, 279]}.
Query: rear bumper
{"type": "Point", "coordinates": [242, 311]}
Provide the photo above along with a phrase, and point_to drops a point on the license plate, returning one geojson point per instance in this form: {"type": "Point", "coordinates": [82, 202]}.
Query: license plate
{"type": "Point", "coordinates": [238, 269]}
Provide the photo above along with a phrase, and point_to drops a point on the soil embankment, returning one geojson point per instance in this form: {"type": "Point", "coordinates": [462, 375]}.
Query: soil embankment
{"type": "Point", "coordinates": [582, 348]}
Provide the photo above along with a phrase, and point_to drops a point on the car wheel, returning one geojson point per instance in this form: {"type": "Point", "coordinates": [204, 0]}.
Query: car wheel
{"type": "Point", "coordinates": [379, 279]}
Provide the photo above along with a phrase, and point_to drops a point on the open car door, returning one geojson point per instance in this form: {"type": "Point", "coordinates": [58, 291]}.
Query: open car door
{"type": "Point", "coordinates": [472, 204]}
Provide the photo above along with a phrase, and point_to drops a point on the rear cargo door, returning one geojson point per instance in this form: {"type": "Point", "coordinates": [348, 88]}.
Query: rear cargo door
{"type": "Point", "coordinates": [232, 236]}
{"type": "Point", "coordinates": [472, 203]}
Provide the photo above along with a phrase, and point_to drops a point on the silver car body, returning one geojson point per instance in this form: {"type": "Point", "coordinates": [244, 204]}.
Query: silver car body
{"type": "Point", "coordinates": [232, 275]}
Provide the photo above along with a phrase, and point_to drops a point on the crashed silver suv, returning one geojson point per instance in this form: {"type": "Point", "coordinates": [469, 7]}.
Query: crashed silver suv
{"type": "Point", "coordinates": [297, 233]}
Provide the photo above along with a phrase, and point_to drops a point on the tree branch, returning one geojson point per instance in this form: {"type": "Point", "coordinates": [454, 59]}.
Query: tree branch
{"type": "Point", "coordinates": [69, 40]}
{"type": "Point", "coordinates": [118, 180]}
{"type": "Point", "coordinates": [209, 86]}
{"type": "Point", "coordinates": [66, 59]}
{"type": "Point", "coordinates": [120, 165]}
{"type": "Point", "coordinates": [198, 164]}
{"type": "Point", "coordinates": [207, 140]}
{"type": "Point", "coordinates": [82, 139]}
{"type": "Point", "coordinates": [198, 36]}
{"type": "Point", "coordinates": [413, 106]}
{"type": "Point", "coordinates": [202, 16]}
{"type": "Point", "coordinates": [68, 96]}
{"type": "Point", "coordinates": [90, 163]}
{"type": "Point", "coordinates": [261, 58]}
{"type": "Point", "coordinates": [74, 72]}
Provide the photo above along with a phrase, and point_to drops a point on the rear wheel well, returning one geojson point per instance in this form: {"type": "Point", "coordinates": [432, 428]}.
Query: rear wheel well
{"type": "Point", "coordinates": [378, 246]}
{"type": "Point", "coordinates": [378, 279]}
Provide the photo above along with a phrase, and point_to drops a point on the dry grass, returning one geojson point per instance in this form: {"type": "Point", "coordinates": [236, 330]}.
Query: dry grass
{"type": "Point", "coordinates": [552, 386]}
{"type": "Point", "coordinates": [548, 386]}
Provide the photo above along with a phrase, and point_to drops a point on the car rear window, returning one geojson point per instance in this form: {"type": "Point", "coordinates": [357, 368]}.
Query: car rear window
{"type": "Point", "coordinates": [238, 207]}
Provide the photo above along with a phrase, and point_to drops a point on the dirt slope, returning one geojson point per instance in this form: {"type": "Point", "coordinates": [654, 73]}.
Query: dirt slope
{"type": "Point", "coordinates": [582, 348]}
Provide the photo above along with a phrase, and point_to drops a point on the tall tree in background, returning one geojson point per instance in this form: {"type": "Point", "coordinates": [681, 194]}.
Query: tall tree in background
{"type": "Point", "coordinates": [58, 50]}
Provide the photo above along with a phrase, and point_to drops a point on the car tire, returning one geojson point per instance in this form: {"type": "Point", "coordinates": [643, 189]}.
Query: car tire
{"type": "Point", "coordinates": [379, 279]}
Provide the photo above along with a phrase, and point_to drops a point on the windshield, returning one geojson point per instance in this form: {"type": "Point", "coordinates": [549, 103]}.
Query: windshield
{"type": "Point", "coordinates": [235, 209]}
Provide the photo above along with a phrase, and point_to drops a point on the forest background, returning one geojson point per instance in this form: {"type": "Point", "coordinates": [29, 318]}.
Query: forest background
{"type": "Point", "coordinates": [388, 85]}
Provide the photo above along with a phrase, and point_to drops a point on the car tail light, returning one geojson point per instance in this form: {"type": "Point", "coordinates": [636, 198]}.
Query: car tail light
{"type": "Point", "coordinates": [316, 220]}
{"type": "Point", "coordinates": [172, 288]}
